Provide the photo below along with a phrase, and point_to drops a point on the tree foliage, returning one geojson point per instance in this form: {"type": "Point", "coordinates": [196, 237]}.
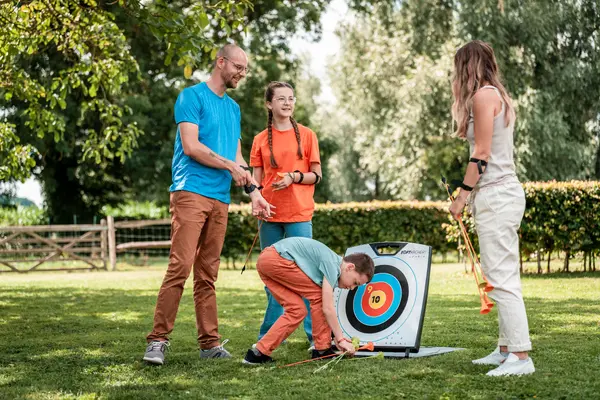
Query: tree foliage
{"type": "Point", "coordinates": [393, 79]}
{"type": "Point", "coordinates": [52, 49]}
{"type": "Point", "coordinates": [397, 97]}
{"type": "Point", "coordinates": [550, 57]}
{"type": "Point", "coordinates": [69, 76]}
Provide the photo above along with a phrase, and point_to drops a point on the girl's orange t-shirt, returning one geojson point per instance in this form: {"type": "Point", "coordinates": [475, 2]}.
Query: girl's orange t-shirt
{"type": "Point", "coordinates": [294, 203]}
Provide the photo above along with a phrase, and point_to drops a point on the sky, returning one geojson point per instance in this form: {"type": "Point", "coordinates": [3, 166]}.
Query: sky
{"type": "Point", "coordinates": [318, 54]}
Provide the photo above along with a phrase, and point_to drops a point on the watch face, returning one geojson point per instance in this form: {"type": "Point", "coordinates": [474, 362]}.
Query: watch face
{"type": "Point", "coordinates": [249, 189]}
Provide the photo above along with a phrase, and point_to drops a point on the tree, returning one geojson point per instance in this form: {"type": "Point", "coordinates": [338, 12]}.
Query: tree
{"type": "Point", "coordinates": [17, 159]}
{"type": "Point", "coordinates": [66, 69]}
{"type": "Point", "coordinates": [396, 91]}
{"type": "Point", "coordinates": [269, 25]}
{"type": "Point", "coordinates": [393, 78]}
{"type": "Point", "coordinates": [549, 55]}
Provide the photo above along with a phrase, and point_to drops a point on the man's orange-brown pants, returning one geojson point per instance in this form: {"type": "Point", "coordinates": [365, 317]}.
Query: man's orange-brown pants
{"type": "Point", "coordinates": [198, 226]}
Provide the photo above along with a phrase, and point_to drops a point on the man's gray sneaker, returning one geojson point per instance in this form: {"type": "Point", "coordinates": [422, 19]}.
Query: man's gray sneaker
{"type": "Point", "coordinates": [155, 352]}
{"type": "Point", "coordinates": [216, 352]}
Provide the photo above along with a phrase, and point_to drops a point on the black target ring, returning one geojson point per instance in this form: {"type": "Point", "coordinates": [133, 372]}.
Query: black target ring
{"type": "Point", "coordinates": [359, 326]}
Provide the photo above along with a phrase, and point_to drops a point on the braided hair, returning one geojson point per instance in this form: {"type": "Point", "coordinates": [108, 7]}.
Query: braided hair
{"type": "Point", "coordinates": [269, 97]}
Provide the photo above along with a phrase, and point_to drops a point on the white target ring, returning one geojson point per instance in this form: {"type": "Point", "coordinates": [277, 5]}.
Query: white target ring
{"type": "Point", "coordinates": [389, 310]}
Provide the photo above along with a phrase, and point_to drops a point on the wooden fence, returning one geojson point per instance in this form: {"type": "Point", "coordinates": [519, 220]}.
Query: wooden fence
{"type": "Point", "coordinates": [52, 247]}
{"type": "Point", "coordinates": [42, 247]}
{"type": "Point", "coordinates": [127, 245]}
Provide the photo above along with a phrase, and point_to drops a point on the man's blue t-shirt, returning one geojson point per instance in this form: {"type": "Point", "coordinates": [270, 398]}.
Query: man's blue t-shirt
{"type": "Point", "coordinates": [218, 120]}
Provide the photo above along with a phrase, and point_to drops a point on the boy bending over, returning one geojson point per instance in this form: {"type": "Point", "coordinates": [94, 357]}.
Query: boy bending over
{"type": "Point", "coordinates": [296, 268]}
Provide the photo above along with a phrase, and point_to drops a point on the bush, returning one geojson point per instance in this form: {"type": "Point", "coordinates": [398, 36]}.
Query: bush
{"type": "Point", "coordinates": [559, 216]}
{"type": "Point", "coordinates": [562, 216]}
{"type": "Point", "coordinates": [21, 215]}
{"type": "Point", "coordinates": [340, 226]}
{"type": "Point", "coordinates": [136, 211]}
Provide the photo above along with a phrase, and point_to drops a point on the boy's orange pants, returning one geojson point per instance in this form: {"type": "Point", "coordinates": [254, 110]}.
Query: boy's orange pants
{"type": "Point", "coordinates": [289, 285]}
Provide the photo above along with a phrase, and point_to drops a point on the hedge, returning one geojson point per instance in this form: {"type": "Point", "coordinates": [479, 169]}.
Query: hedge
{"type": "Point", "coordinates": [343, 225]}
{"type": "Point", "coordinates": [560, 216]}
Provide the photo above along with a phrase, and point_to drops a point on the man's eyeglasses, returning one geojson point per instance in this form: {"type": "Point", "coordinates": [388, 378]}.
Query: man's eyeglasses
{"type": "Point", "coordinates": [239, 67]}
{"type": "Point", "coordinates": [283, 100]}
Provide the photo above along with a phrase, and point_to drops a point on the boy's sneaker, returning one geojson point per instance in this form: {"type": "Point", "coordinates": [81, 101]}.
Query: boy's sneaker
{"type": "Point", "coordinates": [216, 352]}
{"type": "Point", "coordinates": [495, 358]}
{"type": "Point", "coordinates": [255, 357]}
{"type": "Point", "coordinates": [514, 366]}
{"type": "Point", "coordinates": [322, 353]}
{"type": "Point", "coordinates": [155, 352]}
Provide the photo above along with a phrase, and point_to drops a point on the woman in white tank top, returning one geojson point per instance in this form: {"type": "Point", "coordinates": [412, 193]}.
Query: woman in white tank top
{"type": "Point", "coordinates": [485, 117]}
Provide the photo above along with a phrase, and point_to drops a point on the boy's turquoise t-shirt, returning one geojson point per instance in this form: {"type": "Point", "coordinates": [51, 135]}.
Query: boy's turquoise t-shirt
{"type": "Point", "coordinates": [314, 258]}
{"type": "Point", "coordinates": [218, 119]}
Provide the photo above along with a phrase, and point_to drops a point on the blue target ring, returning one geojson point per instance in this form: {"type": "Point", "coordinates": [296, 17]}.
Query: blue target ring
{"type": "Point", "coordinates": [360, 314]}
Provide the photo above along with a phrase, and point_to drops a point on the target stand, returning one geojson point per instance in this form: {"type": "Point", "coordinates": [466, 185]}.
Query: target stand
{"type": "Point", "coordinates": [389, 310]}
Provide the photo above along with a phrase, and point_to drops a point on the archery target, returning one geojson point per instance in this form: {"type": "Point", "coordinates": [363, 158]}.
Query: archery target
{"type": "Point", "coordinates": [389, 310]}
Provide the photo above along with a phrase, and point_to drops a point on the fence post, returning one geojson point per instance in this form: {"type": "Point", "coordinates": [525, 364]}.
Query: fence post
{"type": "Point", "coordinates": [103, 242]}
{"type": "Point", "coordinates": [112, 246]}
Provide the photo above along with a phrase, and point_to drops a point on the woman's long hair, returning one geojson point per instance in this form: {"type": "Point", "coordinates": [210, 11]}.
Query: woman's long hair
{"type": "Point", "coordinates": [475, 63]}
{"type": "Point", "coordinates": [269, 97]}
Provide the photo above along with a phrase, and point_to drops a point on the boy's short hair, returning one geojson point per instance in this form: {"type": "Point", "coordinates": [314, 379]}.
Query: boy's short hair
{"type": "Point", "coordinates": [363, 264]}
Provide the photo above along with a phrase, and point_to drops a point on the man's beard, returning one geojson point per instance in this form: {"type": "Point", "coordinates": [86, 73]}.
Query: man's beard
{"type": "Point", "coordinates": [229, 82]}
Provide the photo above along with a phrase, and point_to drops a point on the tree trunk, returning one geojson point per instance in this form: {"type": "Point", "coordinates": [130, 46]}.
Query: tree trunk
{"type": "Point", "coordinates": [521, 262]}
{"type": "Point", "coordinates": [566, 265]}
{"type": "Point", "coordinates": [539, 261]}
{"type": "Point", "coordinates": [598, 163]}
{"type": "Point", "coordinates": [548, 265]}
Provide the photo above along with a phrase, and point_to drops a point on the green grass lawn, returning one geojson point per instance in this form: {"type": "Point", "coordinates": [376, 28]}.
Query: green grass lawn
{"type": "Point", "coordinates": [81, 335]}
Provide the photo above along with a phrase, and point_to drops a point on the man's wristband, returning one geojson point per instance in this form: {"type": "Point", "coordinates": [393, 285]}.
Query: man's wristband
{"type": "Point", "coordinates": [244, 167]}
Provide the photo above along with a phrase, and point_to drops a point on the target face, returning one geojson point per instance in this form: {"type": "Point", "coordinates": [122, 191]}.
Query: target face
{"type": "Point", "coordinates": [389, 310]}
{"type": "Point", "coordinates": [376, 306]}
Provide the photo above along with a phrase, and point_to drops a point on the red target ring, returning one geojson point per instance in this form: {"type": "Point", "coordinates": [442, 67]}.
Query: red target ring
{"type": "Point", "coordinates": [377, 299]}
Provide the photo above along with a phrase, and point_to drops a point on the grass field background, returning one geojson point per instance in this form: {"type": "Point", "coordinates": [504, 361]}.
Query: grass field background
{"type": "Point", "coordinates": [81, 336]}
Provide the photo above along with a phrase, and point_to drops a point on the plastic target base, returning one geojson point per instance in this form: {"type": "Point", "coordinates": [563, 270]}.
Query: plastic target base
{"type": "Point", "coordinates": [423, 352]}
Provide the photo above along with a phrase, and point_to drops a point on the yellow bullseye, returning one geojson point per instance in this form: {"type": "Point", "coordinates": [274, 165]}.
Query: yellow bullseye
{"type": "Point", "coordinates": [376, 299]}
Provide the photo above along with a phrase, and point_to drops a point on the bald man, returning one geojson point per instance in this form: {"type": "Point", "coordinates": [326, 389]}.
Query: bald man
{"type": "Point", "coordinates": [207, 157]}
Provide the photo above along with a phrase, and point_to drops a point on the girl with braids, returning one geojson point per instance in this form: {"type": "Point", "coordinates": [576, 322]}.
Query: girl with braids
{"type": "Point", "coordinates": [286, 162]}
{"type": "Point", "coordinates": [485, 117]}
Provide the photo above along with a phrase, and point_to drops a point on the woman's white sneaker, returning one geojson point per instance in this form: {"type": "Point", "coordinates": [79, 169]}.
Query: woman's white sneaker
{"type": "Point", "coordinates": [514, 366]}
{"type": "Point", "coordinates": [495, 358]}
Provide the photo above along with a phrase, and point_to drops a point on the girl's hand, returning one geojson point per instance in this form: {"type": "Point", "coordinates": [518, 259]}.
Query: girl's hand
{"type": "Point", "coordinates": [287, 178]}
{"type": "Point", "coordinates": [260, 207]}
